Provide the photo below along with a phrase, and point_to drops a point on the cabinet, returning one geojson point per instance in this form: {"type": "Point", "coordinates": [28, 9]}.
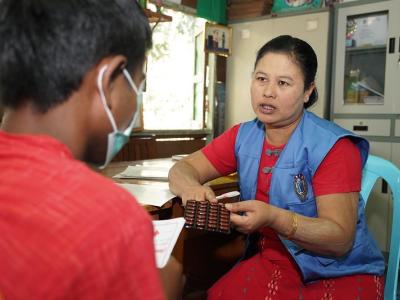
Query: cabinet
{"type": "Point", "coordinates": [367, 58]}
{"type": "Point", "coordinates": [365, 93]}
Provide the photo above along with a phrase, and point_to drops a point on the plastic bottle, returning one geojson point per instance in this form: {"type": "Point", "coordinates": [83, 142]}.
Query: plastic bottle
{"type": "Point", "coordinates": [352, 88]}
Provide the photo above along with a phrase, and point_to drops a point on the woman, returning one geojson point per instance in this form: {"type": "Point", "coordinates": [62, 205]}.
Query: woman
{"type": "Point", "coordinates": [308, 236]}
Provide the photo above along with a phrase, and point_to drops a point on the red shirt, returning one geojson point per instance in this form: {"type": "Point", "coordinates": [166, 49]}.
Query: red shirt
{"type": "Point", "coordinates": [67, 232]}
{"type": "Point", "coordinates": [339, 172]}
{"type": "Point", "coordinates": [274, 273]}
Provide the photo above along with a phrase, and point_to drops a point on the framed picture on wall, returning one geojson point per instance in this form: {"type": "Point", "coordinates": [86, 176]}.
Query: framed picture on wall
{"type": "Point", "coordinates": [218, 39]}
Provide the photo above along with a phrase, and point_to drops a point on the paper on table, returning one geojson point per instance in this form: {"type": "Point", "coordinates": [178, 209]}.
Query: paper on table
{"type": "Point", "coordinates": [228, 195]}
{"type": "Point", "coordinates": [166, 233]}
{"type": "Point", "coordinates": [147, 194]}
{"type": "Point", "coordinates": [145, 172]}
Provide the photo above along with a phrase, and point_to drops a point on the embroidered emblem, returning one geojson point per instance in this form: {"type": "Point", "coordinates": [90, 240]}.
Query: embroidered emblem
{"type": "Point", "coordinates": [300, 186]}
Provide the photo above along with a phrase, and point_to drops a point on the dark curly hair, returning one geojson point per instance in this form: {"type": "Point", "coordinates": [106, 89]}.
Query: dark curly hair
{"type": "Point", "coordinates": [47, 47]}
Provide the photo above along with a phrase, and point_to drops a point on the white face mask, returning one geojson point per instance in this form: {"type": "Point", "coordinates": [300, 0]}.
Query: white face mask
{"type": "Point", "coordinates": [117, 139]}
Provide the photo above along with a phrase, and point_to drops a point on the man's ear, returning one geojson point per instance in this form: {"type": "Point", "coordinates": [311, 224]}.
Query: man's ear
{"type": "Point", "coordinates": [113, 68]}
{"type": "Point", "coordinates": [93, 114]}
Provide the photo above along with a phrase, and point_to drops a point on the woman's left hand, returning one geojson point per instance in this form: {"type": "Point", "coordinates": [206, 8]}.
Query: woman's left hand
{"type": "Point", "coordinates": [250, 215]}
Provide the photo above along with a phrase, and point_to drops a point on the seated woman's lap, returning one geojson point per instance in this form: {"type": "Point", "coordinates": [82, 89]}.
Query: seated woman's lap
{"type": "Point", "coordinates": [261, 278]}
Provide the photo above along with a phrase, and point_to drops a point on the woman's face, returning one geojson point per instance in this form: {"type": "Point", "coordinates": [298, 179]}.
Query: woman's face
{"type": "Point", "coordinates": [277, 91]}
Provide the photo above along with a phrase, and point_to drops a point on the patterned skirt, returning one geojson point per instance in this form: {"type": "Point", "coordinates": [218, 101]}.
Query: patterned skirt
{"type": "Point", "coordinates": [273, 274]}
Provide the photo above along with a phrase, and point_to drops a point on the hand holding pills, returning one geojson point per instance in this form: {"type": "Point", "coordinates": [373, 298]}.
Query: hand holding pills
{"type": "Point", "coordinates": [198, 193]}
{"type": "Point", "coordinates": [250, 215]}
{"type": "Point", "coordinates": [207, 216]}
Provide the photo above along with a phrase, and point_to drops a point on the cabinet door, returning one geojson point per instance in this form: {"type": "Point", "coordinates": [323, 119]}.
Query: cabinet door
{"type": "Point", "coordinates": [366, 127]}
{"type": "Point", "coordinates": [397, 127]}
{"type": "Point", "coordinates": [392, 87]}
{"type": "Point", "coordinates": [396, 154]}
{"type": "Point", "coordinates": [363, 82]}
{"type": "Point", "coordinates": [379, 208]}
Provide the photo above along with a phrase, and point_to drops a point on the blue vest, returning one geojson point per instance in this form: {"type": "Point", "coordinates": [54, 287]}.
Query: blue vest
{"type": "Point", "coordinates": [305, 150]}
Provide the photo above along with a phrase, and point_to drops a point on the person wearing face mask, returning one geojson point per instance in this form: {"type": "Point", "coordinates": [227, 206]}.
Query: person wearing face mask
{"type": "Point", "coordinates": [299, 178]}
{"type": "Point", "coordinates": [71, 83]}
{"type": "Point", "coordinates": [117, 139]}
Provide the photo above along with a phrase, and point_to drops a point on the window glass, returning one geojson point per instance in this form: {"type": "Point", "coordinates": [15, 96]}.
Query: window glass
{"type": "Point", "coordinates": [175, 74]}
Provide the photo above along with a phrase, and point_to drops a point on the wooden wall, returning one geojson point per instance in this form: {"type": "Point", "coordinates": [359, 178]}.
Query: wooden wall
{"type": "Point", "coordinates": [159, 146]}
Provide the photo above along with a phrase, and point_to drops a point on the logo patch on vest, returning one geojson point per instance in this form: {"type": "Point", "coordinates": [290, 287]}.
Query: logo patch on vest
{"type": "Point", "coordinates": [300, 186]}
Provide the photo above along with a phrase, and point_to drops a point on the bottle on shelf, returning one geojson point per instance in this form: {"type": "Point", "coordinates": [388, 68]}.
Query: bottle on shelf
{"type": "Point", "coordinates": [352, 86]}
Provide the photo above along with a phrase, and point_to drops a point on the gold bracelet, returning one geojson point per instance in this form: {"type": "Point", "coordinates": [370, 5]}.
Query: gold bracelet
{"type": "Point", "coordinates": [294, 226]}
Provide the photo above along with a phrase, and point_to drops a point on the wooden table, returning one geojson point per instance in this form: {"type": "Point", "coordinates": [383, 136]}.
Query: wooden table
{"type": "Point", "coordinates": [164, 212]}
{"type": "Point", "coordinates": [220, 185]}
{"type": "Point", "coordinates": [205, 256]}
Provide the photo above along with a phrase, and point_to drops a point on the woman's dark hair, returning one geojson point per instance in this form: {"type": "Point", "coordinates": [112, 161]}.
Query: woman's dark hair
{"type": "Point", "coordinates": [302, 54]}
{"type": "Point", "coordinates": [48, 46]}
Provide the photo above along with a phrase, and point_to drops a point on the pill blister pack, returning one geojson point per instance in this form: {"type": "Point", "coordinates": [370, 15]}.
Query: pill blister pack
{"type": "Point", "coordinates": [207, 216]}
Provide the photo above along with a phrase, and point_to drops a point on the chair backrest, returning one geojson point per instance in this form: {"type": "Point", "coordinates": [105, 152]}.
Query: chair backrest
{"type": "Point", "coordinates": [375, 168]}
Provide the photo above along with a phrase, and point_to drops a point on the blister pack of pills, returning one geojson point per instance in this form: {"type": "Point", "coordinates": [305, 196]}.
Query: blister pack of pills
{"type": "Point", "coordinates": [204, 215]}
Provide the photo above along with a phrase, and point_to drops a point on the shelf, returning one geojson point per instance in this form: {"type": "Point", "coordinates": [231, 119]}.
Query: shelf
{"type": "Point", "coordinates": [156, 17]}
{"type": "Point", "coordinates": [378, 48]}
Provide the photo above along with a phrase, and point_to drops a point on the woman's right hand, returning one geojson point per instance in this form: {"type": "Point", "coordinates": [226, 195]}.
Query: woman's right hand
{"type": "Point", "coordinates": [186, 178]}
{"type": "Point", "coordinates": [198, 193]}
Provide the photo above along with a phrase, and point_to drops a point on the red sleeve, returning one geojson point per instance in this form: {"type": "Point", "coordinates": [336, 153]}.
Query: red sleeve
{"type": "Point", "coordinates": [340, 171]}
{"type": "Point", "coordinates": [221, 151]}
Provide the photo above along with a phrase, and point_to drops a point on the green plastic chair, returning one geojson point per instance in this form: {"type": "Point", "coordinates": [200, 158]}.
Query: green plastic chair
{"type": "Point", "coordinates": [375, 168]}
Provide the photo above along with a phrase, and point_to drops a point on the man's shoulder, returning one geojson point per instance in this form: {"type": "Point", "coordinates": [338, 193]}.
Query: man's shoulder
{"type": "Point", "coordinates": [95, 189]}
{"type": "Point", "coordinates": [96, 209]}
{"type": "Point", "coordinates": [81, 218]}
{"type": "Point", "coordinates": [47, 176]}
